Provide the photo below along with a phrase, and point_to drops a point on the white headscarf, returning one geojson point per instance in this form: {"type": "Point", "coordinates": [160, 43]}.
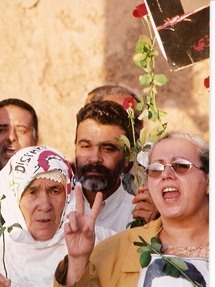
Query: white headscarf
{"type": "Point", "coordinates": [26, 165]}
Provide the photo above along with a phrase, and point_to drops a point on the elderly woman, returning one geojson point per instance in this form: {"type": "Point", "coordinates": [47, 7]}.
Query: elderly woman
{"type": "Point", "coordinates": [35, 189]}
{"type": "Point", "coordinates": [178, 183]}
{"type": "Point", "coordinates": [35, 192]}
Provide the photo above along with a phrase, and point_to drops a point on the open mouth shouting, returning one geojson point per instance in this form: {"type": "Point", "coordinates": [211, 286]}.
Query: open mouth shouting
{"type": "Point", "coordinates": [171, 194]}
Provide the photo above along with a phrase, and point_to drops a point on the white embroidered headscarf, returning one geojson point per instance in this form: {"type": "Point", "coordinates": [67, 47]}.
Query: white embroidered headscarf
{"type": "Point", "coordinates": [26, 165]}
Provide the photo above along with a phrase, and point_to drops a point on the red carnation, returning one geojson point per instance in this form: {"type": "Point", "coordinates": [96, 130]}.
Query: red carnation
{"type": "Point", "coordinates": [129, 102]}
{"type": "Point", "coordinates": [140, 11]}
{"type": "Point", "coordinates": [207, 82]}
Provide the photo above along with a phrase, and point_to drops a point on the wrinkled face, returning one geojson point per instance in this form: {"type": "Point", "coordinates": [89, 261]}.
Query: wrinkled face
{"type": "Point", "coordinates": [178, 195]}
{"type": "Point", "coordinates": [42, 204]}
{"type": "Point", "coordinates": [16, 131]}
{"type": "Point", "coordinates": [99, 159]}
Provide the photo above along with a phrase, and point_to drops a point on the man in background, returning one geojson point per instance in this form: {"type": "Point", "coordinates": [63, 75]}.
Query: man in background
{"type": "Point", "coordinates": [18, 128]}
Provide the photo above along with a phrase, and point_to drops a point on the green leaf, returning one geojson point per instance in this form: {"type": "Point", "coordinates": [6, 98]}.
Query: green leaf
{"type": "Point", "coordinates": [154, 53]}
{"type": "Point", "coordinates": [142, 44]}
{"type": "Point", "coordinates": [139, 221]}
{"type": "Point", "coordinates": [2, 197]}
{"type": "Point", "coordinates": [143, 249]}
{"type": "Point", "coordinates": [125, 141]}
{"type": "Point", "coordinates": [145, 79]}
{"type": "Point", "coordinates": [10, 228]}
{"type": "Point", "coordinates": [181, 264]}
{"type": "Point", "coordinates": [2, 221]}
{"type": "Point", "coordinates": [147, 90]}
{"type": "Point", "coordinates": [139, 60]}
{"type": "Point", "coordinates": [139, 57]}
{"type": "Point", "coordinates": [162, 114]}
{"type": "Point", "coordinates": [139, 106]}
{"type": "Point", "coordinates": [143, 240]}
{"type": "Point", "coordinates": [145, 259]}
{"type": "Point", "coordinates": [160, 80]}
{"type": "Point", "coordinates": [143, 135]}
{"type": "Point", "coordinates": [155, 240]}
{"type": "Point", "coordinates": [137, 243]}
{"type": "Point", "coordinates": [156, 244]}
{"type": "Point", "coordinates": [171, 270]}
{"type": "Point", "coordinates": [155, 133]}
{"type": "Point", "coordinates": [152, 115]}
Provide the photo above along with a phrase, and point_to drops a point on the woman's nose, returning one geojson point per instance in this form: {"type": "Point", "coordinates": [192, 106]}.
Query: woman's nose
{"type": "Point", "coordinates": [168, 172]}
{"type": "Point", "coordinates": [44, 202]}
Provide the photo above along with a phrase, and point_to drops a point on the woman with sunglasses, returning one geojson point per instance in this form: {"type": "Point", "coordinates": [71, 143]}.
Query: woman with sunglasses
{"type": "Point", "coordinates": [178, 182]}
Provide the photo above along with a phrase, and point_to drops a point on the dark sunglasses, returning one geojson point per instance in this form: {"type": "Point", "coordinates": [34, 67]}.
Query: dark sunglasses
{"type": "Point", "coordinates": [179, 166]}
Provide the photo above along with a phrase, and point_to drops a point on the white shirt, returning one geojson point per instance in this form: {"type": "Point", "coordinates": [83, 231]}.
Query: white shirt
{"type": "Point", "coordinates": [116, 210]}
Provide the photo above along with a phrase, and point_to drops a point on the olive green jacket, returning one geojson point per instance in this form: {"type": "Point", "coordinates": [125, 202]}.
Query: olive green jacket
{"type": "Point", "coordinates": [114, 262]}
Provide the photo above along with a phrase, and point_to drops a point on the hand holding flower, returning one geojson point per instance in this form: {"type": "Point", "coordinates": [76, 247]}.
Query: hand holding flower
{"type": "Point", "coordinates": [144, 206]}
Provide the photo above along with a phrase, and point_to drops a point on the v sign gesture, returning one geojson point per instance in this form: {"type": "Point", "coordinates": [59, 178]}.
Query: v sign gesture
{"type": "Point", "coordinates": [80, 235]}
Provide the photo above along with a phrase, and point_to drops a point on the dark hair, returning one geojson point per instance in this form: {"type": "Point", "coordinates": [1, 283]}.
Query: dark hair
{"type": "Point", "coordinates": [27, 107]}
{"type": "Point", "coordinates": [100, 92]}
{"type": "Point", "coordinates": [106, 113]}
{"type": "Point", "coordinates": [195, 139]}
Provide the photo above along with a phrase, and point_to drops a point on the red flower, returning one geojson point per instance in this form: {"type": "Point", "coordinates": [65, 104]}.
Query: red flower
{"type": "Point", "coordinates": [207, 82]}
{"type": "Point", "coordinates": [129, 102]}
{"type": "Point", "coordinates": [140, 11]}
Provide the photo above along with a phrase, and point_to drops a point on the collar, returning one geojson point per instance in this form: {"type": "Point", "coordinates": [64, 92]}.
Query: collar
{"type": "Point", "coordinates": [113, 201]}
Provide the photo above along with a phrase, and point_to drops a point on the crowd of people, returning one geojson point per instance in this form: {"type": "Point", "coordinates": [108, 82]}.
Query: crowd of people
{"type": "Point", "coordinates": [77, 213]}
{"type": "Point", "coordinates": [178, 183]}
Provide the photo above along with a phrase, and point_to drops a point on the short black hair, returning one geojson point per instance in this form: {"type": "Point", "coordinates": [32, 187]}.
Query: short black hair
{"type": "Point", "coordinates": [22, 104]}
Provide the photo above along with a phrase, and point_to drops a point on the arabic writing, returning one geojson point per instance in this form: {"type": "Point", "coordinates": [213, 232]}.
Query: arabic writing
{"type": "Point", "coordinates": [202, 44]}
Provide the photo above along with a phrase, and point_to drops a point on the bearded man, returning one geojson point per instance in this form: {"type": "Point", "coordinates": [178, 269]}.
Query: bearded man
{"type": "Point", "coordinates": [100, 161]}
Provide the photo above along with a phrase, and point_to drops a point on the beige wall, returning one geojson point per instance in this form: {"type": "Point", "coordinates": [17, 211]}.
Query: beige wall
{"type": "Point", "coordinates": [53, 52]}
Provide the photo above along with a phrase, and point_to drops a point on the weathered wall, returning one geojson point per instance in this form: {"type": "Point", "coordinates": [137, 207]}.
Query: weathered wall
{"type": "Point", "coordinates": [53, 52]}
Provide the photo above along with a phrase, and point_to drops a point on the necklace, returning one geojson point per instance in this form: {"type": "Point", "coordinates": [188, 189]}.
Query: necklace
{"type": "Point", "coordinates": [202, 250]}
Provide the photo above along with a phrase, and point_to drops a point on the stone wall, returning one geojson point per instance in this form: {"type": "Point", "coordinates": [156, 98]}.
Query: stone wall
{"type": "Point", "coordinates": [53, 52]}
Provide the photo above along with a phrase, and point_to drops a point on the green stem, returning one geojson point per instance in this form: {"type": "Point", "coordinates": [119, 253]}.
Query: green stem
{"type": "Point", "coordinates": [149, 27]}
{"type": "Point", "coordinates": [133, 133]}
{"type": "Point", "coordinates": [181, 271]}
{"type": "Point", "coordinates": [5, 269]}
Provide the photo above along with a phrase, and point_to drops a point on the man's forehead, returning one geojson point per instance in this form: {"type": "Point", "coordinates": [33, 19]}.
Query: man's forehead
{"type": "Point", "coordinates": [12, 112]}
{"type": "Point", "coordinates": [98, 133]}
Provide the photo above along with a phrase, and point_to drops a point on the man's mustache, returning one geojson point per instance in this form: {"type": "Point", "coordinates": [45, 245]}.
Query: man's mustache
{"type": "Point", "coordinates": [94, 167]}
